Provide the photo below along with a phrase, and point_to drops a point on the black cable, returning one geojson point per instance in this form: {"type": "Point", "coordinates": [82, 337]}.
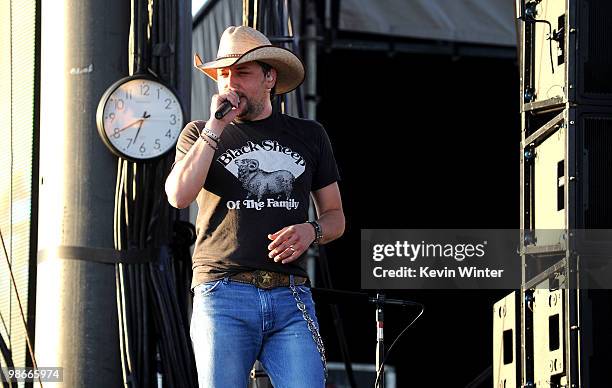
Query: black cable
{"type": "Point", "coordinates": [8, 332]}
{"type": "Point", "coordinates": [5, 384]}
{"type": "Point", "coordinates": [6, 353]}
{"type": "Point", "coordinates": [135, 269]}
{"type": "Point", "coordinates": [141, 23]}
{"type": "Point", "coordinates": [127, 211]}
{"type": "Point", "coordinates": [121, 321]}
{"type": "Point", "coordinates": [117, 208]}
{"type": "Point", "coordinates": [123, 279]}
{"type": "Point", "coordinates": [6, 381]}
{"type": "Point", "coordinates": [118, 237]}
{"type": "Point", "coordinates": [120, 208]}
{"type": "Point", "coordinates": [146, 382]}
{"type": "Point", "coordinates": [129, 286]}
{"type": "Point", "coordinates": [164, 330]}
{"type": "Point", "coordinates": [156, 208]}
{"type": "Point", "coordinates": [183, 236]}
{"type": "Point", "coordinates": [180, 327]}
{"type": "Point", "coordinates": [173, 326]}
{"type": "Point", "coordinates": [176, 324]}
{"type": "Point", "coordinates": [145, 201]}
{"type": "Point", "coordinates": [382, 364]}
{"type": "Point", "coordinates": [8, 361]}
{"type": "Point", "coordinates": [23, 319]}
{"type": "Point", "coordinates": [173, 36]}
{"type": "Point", "coordinates": [550, 37]}
{"type": "Point", "coordinates": [164, 36]}
{"type": "Point", "coordinates": [144, 220]}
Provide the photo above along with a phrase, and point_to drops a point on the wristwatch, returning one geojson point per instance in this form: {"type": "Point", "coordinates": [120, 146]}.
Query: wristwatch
{"type": "Point", "coordinates": [318, 232]}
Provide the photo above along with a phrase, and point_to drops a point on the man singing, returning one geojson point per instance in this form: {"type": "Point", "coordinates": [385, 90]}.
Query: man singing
{"type": "Point", "coordinates": [252, 173]}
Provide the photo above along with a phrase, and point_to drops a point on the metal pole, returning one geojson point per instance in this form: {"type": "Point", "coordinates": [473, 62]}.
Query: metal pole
{"type": "Point", "coordinates": [311, 60]}
{"type": "Point", "coordinates": [84, 49]}
{"type": "Point", "coordinates": [310, 89]}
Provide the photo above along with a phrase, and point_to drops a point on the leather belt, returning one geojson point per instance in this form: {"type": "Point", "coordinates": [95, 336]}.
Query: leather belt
{"type": "Point", "coordinates": [267, 279]}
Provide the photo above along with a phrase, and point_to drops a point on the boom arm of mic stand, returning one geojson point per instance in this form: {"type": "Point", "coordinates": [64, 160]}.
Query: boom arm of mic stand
{"type": "Point", "coordinates": [400, 302]}
{"type": "Point", "coordinates": [341, 297]}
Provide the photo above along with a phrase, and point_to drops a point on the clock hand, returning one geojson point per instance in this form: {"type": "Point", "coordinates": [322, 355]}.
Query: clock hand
{"type": "Point", "coordinates": [144, 116]}
{"type": "Point", "coordinates": [130, 125]}
{"type": "Point", "coordinates": [137, 132]}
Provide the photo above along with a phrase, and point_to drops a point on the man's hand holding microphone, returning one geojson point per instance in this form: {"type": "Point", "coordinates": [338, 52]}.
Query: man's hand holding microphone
{"type": "Point", "coordinates": [224, 108]}
{"type": "Point", "coordinates": [189, 174]}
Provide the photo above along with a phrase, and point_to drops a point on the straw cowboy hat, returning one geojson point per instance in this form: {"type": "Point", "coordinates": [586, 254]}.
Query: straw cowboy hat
{"type": "Point", "coordinates": [245, 44]}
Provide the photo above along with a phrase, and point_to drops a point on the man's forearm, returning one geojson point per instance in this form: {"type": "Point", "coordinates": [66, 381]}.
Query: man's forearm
{"type": "Point", "coordinates": [332, 225]}
{"type": "Point", "coordinates": [188, 175]}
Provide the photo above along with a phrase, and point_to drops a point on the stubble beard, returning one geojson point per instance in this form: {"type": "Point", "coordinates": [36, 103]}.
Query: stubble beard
{"type": "Point", "coordinates": [251, 110]}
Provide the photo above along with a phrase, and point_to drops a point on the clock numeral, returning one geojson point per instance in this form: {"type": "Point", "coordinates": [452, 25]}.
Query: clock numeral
{"type": "Point", "coordinates": [144, 89]}
{"type": "Point", "coordinates": [169, 134]}
{"type": "Point", "coordinates": [158, 90]}
{"type": "Point", "coordinates": [173, 121]}
{"type": "Point", "coordinates": [157, 144]}
{"type": "Point", "coordinates": [168, 102]}
{"type": "Point", "coordinates": [130, 140]}
{"type": "Point", "coordinates": [116, 133]}
{"type": "Point", "coordinates": [128, 94]}
{"type": "Point", "coordinates": [119, 104]}
{"type": "Point", "coordinates": [111, 116]}
{"type": "Point", "coordinates": [142, 148]}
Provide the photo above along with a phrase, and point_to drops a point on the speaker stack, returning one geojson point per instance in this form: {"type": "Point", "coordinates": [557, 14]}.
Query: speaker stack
{"type": "Point", "coordinates": [557, 335]}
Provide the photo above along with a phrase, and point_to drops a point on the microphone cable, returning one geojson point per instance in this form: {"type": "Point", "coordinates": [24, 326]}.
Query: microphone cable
{"type": "Point", "coordinates": [382, 364]}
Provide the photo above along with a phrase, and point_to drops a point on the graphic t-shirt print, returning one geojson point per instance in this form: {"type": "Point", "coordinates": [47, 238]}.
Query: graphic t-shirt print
{"type": "Point", "coordinates": [267, 171]}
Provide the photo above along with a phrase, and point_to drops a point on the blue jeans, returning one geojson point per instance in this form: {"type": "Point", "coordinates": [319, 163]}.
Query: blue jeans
{"type": "Point", "coordinates": [233, 324]}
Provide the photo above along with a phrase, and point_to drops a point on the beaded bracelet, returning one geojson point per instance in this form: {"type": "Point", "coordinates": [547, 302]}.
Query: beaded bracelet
{"type": "Point", "coordinates": [209, 143]}
{"type": "Point", "coordinates": [216, 141]}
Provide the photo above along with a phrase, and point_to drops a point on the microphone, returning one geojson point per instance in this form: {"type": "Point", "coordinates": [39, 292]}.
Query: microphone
{"type": "Point", "coordinates": [223, 109]}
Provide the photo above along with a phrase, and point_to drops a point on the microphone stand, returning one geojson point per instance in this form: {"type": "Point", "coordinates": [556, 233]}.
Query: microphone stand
{"type": "Point", "coordinates": [334, 296]}
{"type": "Point", "coordinates": [379, 300]}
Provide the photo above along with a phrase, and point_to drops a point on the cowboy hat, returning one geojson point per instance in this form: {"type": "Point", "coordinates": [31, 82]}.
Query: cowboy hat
{"type": "Point", "coordinates": [245, 44]}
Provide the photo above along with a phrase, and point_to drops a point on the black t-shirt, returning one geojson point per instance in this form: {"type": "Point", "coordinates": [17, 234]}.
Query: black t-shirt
{"type": "Point", "coordinates": [259, 181]}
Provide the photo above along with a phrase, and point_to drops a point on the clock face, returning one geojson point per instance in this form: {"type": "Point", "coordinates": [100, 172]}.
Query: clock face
{"type": "Point", "coordinates": [141, 119]}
